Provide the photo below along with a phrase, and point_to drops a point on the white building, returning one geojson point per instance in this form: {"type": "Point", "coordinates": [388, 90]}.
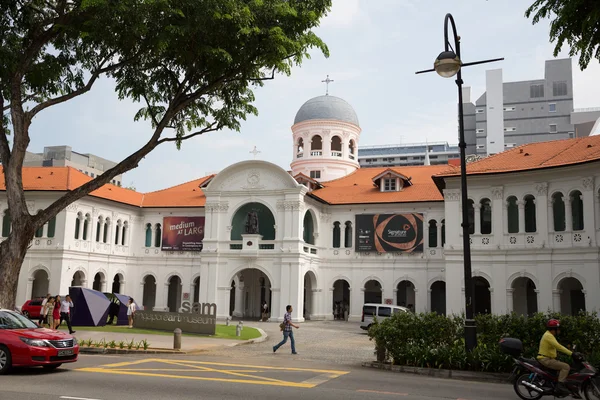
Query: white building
{"type": "Point", "coordinates": [535, 231]}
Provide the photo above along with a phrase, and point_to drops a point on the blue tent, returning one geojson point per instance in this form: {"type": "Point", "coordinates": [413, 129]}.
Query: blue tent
{"type": "Point", "coordinates": [90, 307]}
{"type": "Point", "coordinates": [122, 316]}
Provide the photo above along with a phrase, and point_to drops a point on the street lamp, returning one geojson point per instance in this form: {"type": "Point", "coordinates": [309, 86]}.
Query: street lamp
{"type": "Point", "coordinates": [448, 64]}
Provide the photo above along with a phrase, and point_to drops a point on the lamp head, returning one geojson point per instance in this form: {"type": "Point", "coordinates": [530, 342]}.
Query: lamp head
{"type": "Point", "coordinates": [447, 64]}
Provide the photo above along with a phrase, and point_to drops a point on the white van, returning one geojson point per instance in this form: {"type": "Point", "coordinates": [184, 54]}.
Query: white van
{"type": "Point", "coordinates": [382, 311]}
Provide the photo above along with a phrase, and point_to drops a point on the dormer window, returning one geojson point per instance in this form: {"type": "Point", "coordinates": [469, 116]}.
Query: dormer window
{"type": "Point", "coordinates": [389, 184]}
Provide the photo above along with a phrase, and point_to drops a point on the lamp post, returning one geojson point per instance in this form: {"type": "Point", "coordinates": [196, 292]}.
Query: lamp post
{"type": "Point", "coordinates": [447, 65]}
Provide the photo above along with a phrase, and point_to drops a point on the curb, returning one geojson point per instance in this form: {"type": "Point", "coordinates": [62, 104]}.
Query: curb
{"type": "Point", "coordinates": [263, 337]}
{"type": "Point", "coordinates": [100, 350]}
{"type": "Point", "coordinates": [441, 373]}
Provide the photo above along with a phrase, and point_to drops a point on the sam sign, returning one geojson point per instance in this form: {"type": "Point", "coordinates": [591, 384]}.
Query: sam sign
{"type": "Point", "coordinates": [389, 233]}
{"type": "Point", "coordinates": [182, 233]}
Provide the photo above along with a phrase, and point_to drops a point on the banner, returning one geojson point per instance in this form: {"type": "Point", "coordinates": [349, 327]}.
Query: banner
{"type": "Point", "coordinates": [389, 233]}
{"type": "Point", "coordinates": [182, 233]}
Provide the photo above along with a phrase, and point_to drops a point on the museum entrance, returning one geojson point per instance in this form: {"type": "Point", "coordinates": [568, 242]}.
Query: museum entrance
{"type": "Point", "coordinates": [250, 290]}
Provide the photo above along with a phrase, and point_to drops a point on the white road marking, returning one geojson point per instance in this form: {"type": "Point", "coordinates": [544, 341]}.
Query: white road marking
{"type": "Point", "coordinates": [75, 398]}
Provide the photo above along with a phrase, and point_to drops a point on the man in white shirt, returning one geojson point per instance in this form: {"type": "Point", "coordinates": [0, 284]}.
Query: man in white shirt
{"type": "Point", "coordinates": [65, 312]}
{"type": "Point", "coordinates": [43, 320]}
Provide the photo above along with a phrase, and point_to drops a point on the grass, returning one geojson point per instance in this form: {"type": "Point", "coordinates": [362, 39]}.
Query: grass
{"type": "Point", "coordinates": [222, 331]}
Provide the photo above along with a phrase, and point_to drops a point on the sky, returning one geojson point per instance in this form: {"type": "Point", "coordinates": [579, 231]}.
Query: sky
{"type": "Point", "coordinates": [376, 46]}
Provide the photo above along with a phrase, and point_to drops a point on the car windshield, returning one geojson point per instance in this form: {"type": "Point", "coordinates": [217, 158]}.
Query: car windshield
{"type": "Point", "coordinates": [11, 320]}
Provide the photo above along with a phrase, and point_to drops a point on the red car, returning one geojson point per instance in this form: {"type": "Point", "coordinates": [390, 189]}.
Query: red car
{"type": "Point", "coordinates": [32, 308]}
{"type": "Point", "coordinates": [24, 344]}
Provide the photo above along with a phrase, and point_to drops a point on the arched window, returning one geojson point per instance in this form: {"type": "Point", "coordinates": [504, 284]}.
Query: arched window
{"type": "Point", "coordinates": [6, 222]}
{"type": "Point", "coordinates": [351, 146]}
{"type": "Point", "coordinates": [300, 148]}
{"type": "Point", "coordinates": [157, 236]}
{"type": "Point", "coordinates": [443, 232]}
{"type": "Point", "coordinates": [530, 220]}
{"type": "Point", "coordinates": [98, 229]}
{"type": "Point", "coordinates": [471, 216]}
{"type": "Point", "coordinates": [78, 224]}
{"type": "Point", "coordinates": [348, 235]}
{"type": "Point", "coordinates": [106, 227]}
{"type": "Point", "coordinates": [316, 146]}
{"type": "Point", "coordinates": [337, 233]}
{"type": "Point", "coordinates": [40, 232]}
{"type": "Point", "coordinates": [124, 234]}
{"type": "Point", "coordinates": [148, 235]}
{"type": "Point", "coordinates": [117, 231]}
{"type": "Point", "coordinates": [577, 209]}
{"type": "Point", "coordinates": [433, 233]}
{"type": "Point", "coordinates": [52, 227]}
{"type": "Point", "coordinates": [86, 226]}
{"type": "Point", "coordinates": [558, 212]}
{"type": "Point", "coordinates": [485, 216]}
{"type": "Point", "coordinates": [336, 146]}
{"type": "Point", "coordinates": [512, 211]}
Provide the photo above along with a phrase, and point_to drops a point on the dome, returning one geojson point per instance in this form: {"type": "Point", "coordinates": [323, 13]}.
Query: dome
{"type": "Point", "coordinates": [326, 107]}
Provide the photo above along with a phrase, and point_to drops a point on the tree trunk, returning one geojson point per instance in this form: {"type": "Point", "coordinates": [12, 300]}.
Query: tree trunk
{"type": "Point", "coordinates": [12, 254]}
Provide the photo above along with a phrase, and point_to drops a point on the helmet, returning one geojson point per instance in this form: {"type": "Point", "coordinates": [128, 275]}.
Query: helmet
{"type": "Point", "coordinates": [553, 324]}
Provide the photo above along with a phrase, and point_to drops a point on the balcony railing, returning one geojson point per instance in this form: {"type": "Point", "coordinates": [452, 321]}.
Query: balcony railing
{"type": "Point", "coordinates": [316, 153]}
{"type": "Point", "coordinates": [352, 156]}
{"type": "Point", "coordinates": [308, 249]}
{"type": "Point", "coordinates": [299, 155]}
{"type": "Point", "coordinates": [336, 154]}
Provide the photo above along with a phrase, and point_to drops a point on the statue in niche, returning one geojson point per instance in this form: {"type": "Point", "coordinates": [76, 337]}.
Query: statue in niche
{"type": "Point", "coordinates": [252, 223]}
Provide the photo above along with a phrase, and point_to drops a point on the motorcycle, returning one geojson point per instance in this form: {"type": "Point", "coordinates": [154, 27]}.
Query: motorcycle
{"type": "Point", "coordinates": [532, 381]}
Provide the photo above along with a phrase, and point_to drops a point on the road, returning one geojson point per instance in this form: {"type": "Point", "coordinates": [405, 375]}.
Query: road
{"type": "Point", "coordinates": [206, 376]}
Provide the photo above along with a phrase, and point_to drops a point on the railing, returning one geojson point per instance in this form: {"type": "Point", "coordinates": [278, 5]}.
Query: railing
{"type": "Point", "coordinates": [236, 246]}
{"type": "Point", "coordinates": [299, 155]}
{"type": "Point", "coordinates": [336, 153]}
{"type": "Point", "coordinates": [352, 156]}
{"type": "Point", "coordinates": [316, 153]}
{"type": "Point", "coordinates": [266, 246]}
{"type": "Point", "coordinates": [309, 249]}
{"type": "Point", "coordinates": [589, 109]}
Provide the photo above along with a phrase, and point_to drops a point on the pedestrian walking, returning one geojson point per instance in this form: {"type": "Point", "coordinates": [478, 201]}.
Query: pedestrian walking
{"type": "Point", "coordinates": [131, 308]}
{"type": "Point", "coordinates": [56, 313]}
{"type": "Point", "coordinates": [286, 326]}
{"type": "Point", "coordinates": [65, 312]}
{"type": "Point", "coordinates": [49, 310]}
{"type": "Point", "coordinates": [43, 315]}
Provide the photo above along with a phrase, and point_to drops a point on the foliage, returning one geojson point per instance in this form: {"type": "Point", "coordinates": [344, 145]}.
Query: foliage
{"type": "Point", "coordinates": [436, 341]}
{"type": "Point", "coordinates": [576, 22]}
{"type": "Point", "coordinates": [191, 64]}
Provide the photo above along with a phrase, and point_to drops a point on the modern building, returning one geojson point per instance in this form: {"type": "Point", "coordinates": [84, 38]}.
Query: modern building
{"type": "Point", "coordinates": [510, 114]}
{"type": "Point", "coordinates": [434, 153]}
{"type": "Point", "coordinates": [346, 235]}
{"type": "Point", "coordinates": [64, 156]}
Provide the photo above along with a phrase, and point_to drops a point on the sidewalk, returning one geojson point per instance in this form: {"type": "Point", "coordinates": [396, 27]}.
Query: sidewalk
{"type": "Point", "coordinates": [188, 343]}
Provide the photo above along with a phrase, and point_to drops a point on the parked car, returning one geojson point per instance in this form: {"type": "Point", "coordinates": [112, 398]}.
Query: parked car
{"type": "Point", "coordinates": [382, 311]}
{"type": "Point", "coordinates": [32, 308]}
{"type": "Point", "coordinates": [24, 344]}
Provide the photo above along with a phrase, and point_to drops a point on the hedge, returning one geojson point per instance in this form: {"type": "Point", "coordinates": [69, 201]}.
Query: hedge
{"type": "Point", "coordinates": [437, 341]}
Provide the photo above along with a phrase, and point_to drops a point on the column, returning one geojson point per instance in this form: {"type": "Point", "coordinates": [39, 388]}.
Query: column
{"type": "Point", "coordinates": [568, 214]}
{"type": "Point", "coordinates": [439, 234]}
{"type": "Point", "coordinates": [505, 217]}
{"type": "Point", "coordinates": [597, 209]}
{"type": "Point", "coordinates": [140, 296]}
{"type": "Point", "coordinates": [276, 307]}
{"type": "Point", "coordinates": [122, 287]}
{"type": "Point", "coordinates": [238, 310]}
{"type": "Point", "coordinates": [103, 285]}
{"type": "Point", "coordinates": [521, 205]}
{"type": "Point", "coordinates": [499, 227]}
{"type": "Point", "coordinates": [28, 292]}
{"type": "Point", "coordinates": [589, 206]}
{"type": "Point", "coordinates": [477, 218]}
{"type": "Point", "coordinates": [556, 299]}
{"type": "Point", "coordinates": [550, 212]}
{"type": "Point", "coordinates": [329, 305]}
{"type": "Point", "coordinates": [509, 300]}
{"type": "Point", "coordinates": [164, 305]}
{"type": "Point", "coordinates": [428, 300]}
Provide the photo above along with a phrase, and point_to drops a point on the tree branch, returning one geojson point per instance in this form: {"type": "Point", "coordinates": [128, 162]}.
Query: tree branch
{"type": "Point", "coordinates": [150, 111]}
{"type": "Point", "coordinates": [210, 128]}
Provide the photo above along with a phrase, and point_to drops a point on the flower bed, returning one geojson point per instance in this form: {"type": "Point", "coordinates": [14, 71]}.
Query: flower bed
{"type": "Point", "coordinates": [437, 341]}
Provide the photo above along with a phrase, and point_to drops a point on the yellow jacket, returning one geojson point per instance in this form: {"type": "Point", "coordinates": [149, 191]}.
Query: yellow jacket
{"type": "Point", "coordinates": [549, 345]}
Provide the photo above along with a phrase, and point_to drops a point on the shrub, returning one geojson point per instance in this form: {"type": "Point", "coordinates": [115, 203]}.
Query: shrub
{"type": "Point", "coordinates": [436, 341]}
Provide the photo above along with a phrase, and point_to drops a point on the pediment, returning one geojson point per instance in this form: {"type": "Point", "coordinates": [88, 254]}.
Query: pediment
{"type": "Point", "coordinates": [252, 176]}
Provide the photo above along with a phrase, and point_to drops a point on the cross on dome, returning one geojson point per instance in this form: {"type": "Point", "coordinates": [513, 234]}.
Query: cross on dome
{"type": "Point", "coordinates": [255, 152]}
{"type": "Point", "coordinates": [327, 82]}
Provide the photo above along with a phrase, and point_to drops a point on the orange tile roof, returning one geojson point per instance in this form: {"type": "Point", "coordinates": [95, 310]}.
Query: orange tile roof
{"type": "Point", "coordinates": [533, 156]}
{"type": "Point", "coordinates": [68, 178]}
{"type": "Point", "coordinates": [358, 187]}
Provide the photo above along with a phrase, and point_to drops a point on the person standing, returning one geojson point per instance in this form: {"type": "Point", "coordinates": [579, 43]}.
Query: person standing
{"type": "Point", "coordinates": [65, 312]}
{"type": "Point", "coordinates": [113, 312]}
{"type": "Point", "coordinates": [49, 312]}
{"type": "Point", "coordinates": [131, 308]}
{"type": "Point", "coordinates": [43, 316]}
{"type": "Point", "coordinates": [287, 326]}
{"type": "Point", "coordinates": [56, 313]}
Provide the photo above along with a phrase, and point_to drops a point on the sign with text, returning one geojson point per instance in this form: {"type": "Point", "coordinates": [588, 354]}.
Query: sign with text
{"type": "Point", "coordinates": [182, 233]}
{"type": "Point", "coordinates": [193, 318]}
{"type": "Point", "coordinates": [389, 233]}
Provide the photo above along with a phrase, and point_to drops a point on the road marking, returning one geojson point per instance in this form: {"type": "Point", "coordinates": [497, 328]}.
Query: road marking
{"type": "Point", "coordinates": [233, 373]}
{"type": "Point", "coordinates": [386, 393]}
{"type": "Point", "coordinates": [75, 398]}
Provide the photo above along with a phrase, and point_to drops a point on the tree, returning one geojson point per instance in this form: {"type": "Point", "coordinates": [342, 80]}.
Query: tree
{"type": "Point", "coordinates": [576, 22]}
{"type": "Point", "coordinates": [191, 64]}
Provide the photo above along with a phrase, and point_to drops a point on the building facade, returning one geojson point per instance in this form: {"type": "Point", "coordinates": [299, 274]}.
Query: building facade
{"type": "Point", "coordinates": [409, 154]}
{"type": "Point", "coordinates": [328, 241]}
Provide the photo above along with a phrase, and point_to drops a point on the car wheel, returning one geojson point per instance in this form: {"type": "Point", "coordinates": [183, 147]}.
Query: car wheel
{"type": "Point", "coordinates": [5, 360]}
{"type": "Point", "coordinates": [26, 314]}
{"type": "Point", "coordinates": [52, 367]}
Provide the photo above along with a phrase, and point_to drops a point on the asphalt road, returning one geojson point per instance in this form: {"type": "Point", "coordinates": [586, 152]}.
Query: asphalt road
{"type": "Point", "coordinates": [272, 376]}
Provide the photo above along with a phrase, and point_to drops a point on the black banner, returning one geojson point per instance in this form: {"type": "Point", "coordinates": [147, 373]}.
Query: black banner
{"type": "Point", "coordinates": [389, 233]}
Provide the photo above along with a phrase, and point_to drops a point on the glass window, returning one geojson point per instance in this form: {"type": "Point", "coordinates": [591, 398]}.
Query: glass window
{"type": "Point", "coordinates": [553, 128]}
{"type": "Point", "coordinates": [536, 90]}
{"type": "Point", "coordinates": [369, 311]}
{"type": "Point", "coordinates": [148, 235]}
{"type": "Point", "coordinates": [485, 216]}
{"type": "Point", "coordinates": [336, 235]}
{"type": "Point", "coordinates": [315, 174]}
{"type": "Point", "coordinates": [52, 227]}
{"type": "Point", "coordinates": [12, 320]}
{"type": "Point", "coordinates": [389, 185]}
{"type": "Point", "coordinates": [552, 107]}
{"type": "Point", "coordinates": [384, 312]}
{"type": "Point", "coordinates": [530, 221]}
{"type": "Point", "coordinates": [513, 215]}
{"type": "Point", "coordinates": [558, 212]}
{"type": "Point", "coordinates": [559, 88]}
{"type": "Point", "coordinates": [471, 216]}
{"type": "Point", "coordinates": [398, 310]}
{"type": "Point", "coordinates": [433, 233]}
{"type": "Point", "coordinates": [577, 210]}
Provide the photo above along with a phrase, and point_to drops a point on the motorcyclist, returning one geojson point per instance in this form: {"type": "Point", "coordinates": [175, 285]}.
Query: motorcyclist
{"type": "Point", "coordinates": [548, 353]}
